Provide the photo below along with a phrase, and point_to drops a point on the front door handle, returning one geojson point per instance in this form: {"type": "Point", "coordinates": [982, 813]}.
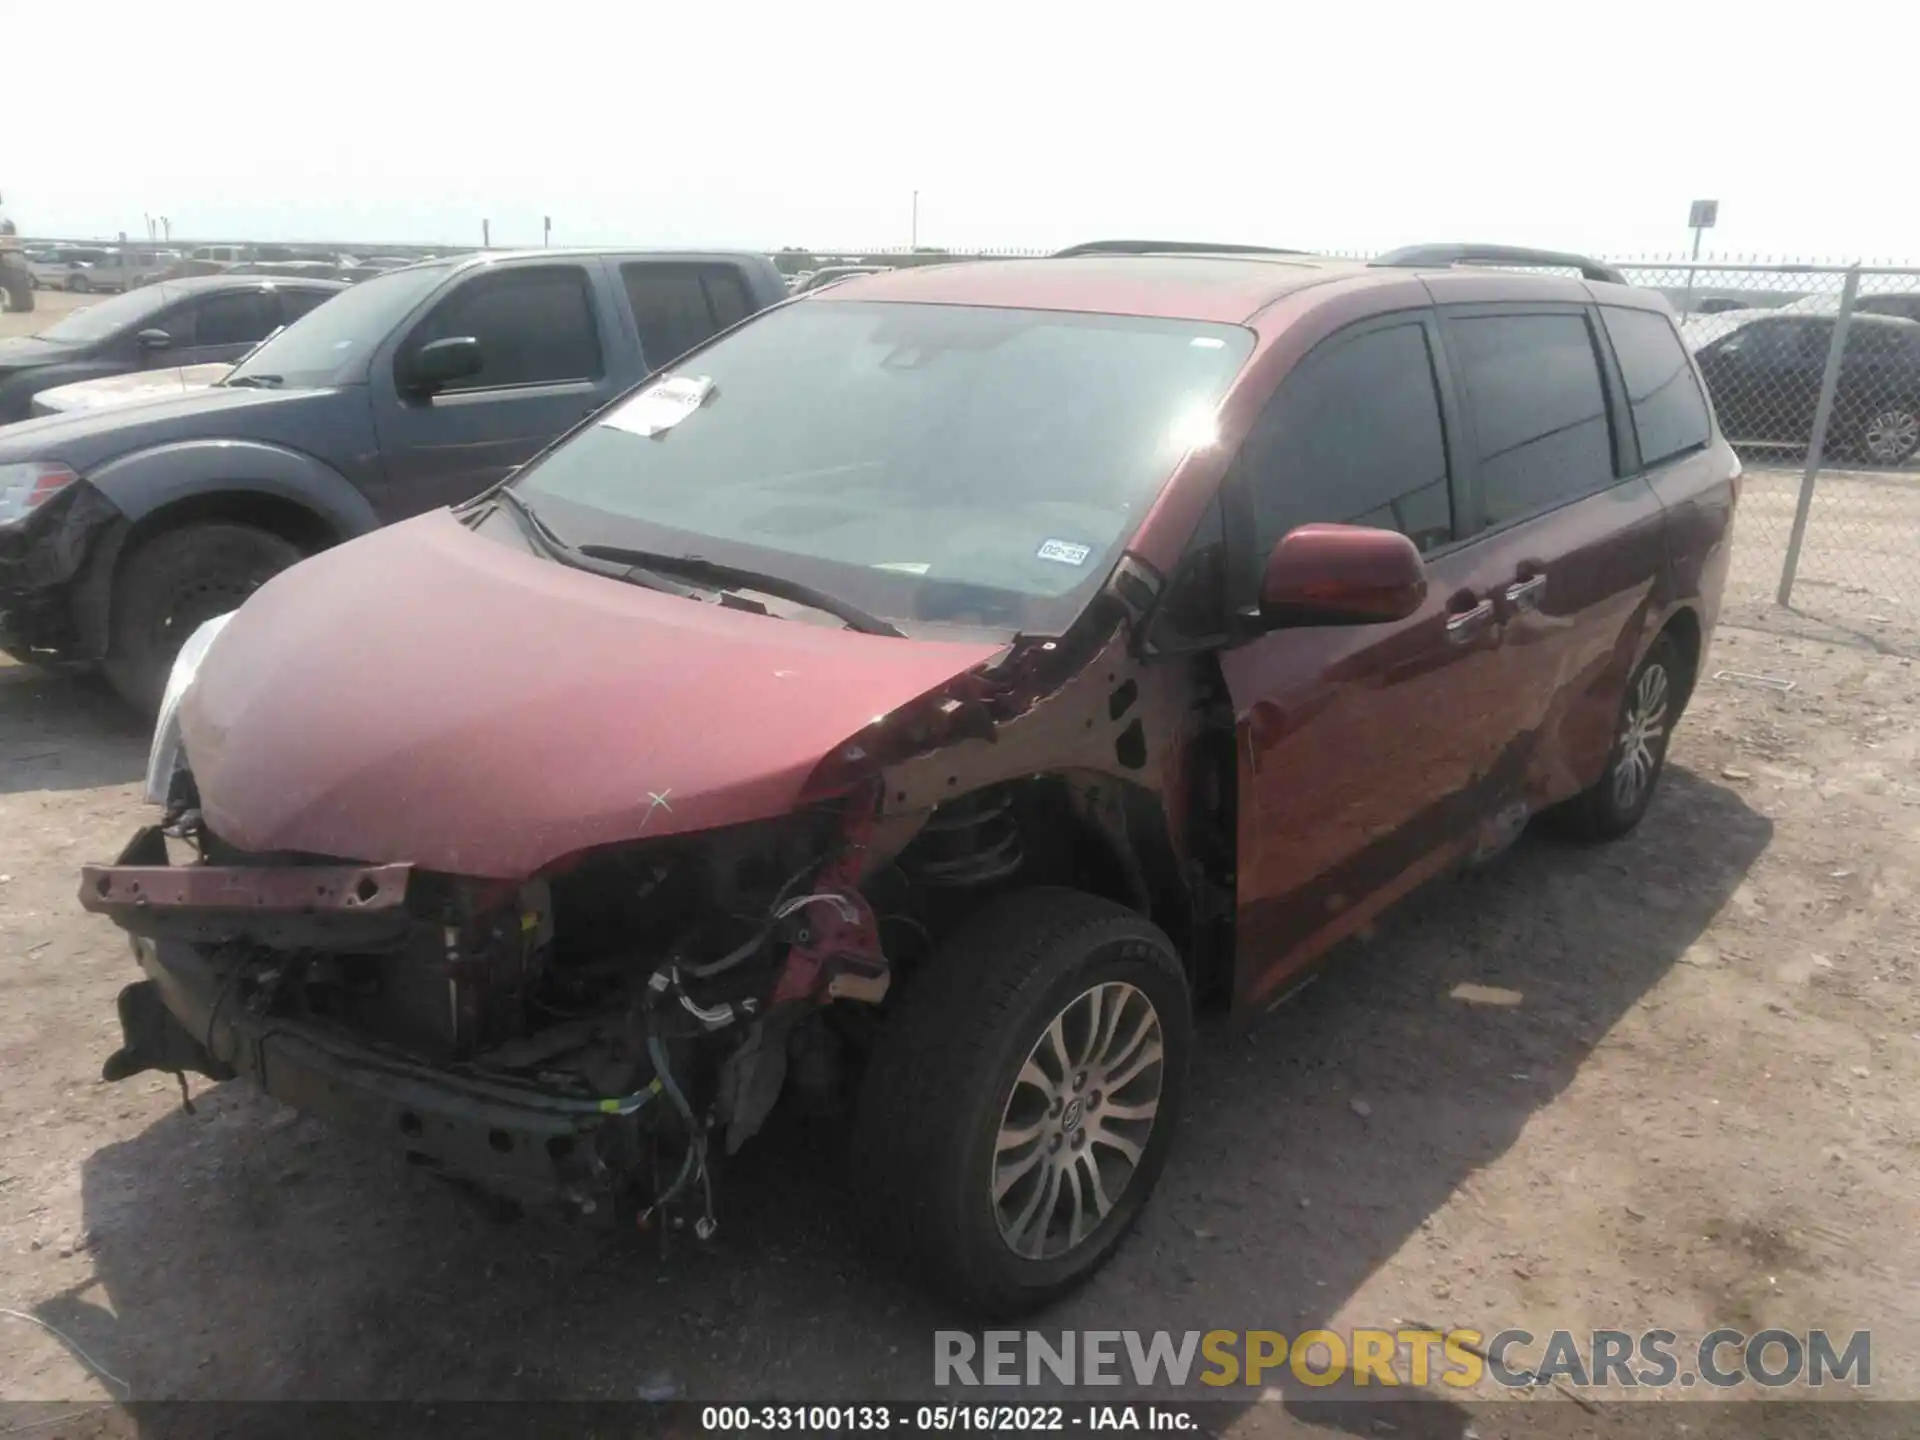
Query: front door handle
{"type": "Point", "coordinates": [1527, 594]}
{"type": "Point", "coordinates": [1464, 625]}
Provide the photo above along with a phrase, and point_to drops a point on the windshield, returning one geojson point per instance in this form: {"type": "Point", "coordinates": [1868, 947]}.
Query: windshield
{"type": "Point", "coordinates": [326, 344]}
{"type": "Point", "coordinates": [931, 464]}
{"type": "Point", "coordinates": [97, 322]}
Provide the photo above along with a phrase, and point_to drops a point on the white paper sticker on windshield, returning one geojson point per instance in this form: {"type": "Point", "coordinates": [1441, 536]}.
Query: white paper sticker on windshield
{"type": "Point", "coordinates": [905, 567]}
{"type": "Point", "coordinates": [662, 405]}
{"type": "Point", "coordinates": [1064, 552]}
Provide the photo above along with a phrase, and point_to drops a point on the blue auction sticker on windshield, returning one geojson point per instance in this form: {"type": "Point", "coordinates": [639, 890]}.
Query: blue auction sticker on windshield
{"type": "Point", "coordinates": [1065, 552]}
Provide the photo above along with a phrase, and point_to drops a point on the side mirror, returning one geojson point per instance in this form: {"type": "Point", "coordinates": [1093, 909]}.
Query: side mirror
{"type": "Point", "coordinates": [1341, 575]}
{"type": "Point", "coordinates": [153, 340]}
{"type": "Point", "coordinates": [441, 362]}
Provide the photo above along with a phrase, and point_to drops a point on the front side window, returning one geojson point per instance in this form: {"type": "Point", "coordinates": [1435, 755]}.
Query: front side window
{"type": "Point", "coordinates": [1669, 413]}
{"type": "Point", "coordinates": [534, 324]}
{"type": "Point", "coordinates": [1354, 437]}
{"type": "Point", "coordinates": [933, 464]}
{"type": "Point", "coordinates": [1539, 413]}
{"type": "Point", "coordinates": [329, 345]}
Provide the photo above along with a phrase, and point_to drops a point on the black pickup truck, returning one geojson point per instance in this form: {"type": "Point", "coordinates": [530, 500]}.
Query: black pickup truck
{"type": "Point", "coordinates": [122, 530]}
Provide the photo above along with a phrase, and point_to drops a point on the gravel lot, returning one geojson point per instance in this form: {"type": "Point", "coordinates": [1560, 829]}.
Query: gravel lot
{"type": "Point", "coordinates": [1698, 1107]}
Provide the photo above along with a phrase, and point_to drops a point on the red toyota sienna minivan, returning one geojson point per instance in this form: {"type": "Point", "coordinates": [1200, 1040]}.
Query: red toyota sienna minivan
{"type": "Point", "coordinates": [929, 692]}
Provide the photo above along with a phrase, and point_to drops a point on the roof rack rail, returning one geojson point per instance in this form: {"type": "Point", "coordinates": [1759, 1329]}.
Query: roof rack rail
{"type": "Point", "coordinates": [1168, 247]}
{"type": "Point", "coordinates": [1424, 256]}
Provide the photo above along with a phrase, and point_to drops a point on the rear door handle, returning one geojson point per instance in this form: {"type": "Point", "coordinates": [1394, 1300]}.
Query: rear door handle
{"type": "Point", "coordinates": [1464, 625]}
{"type": "Point", "coordinates": [1527, 594]}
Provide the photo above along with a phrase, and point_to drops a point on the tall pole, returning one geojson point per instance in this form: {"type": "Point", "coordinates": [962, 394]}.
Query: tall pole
{"type": "Point", "coordinates": [486, 234]}
{"type": "Point", "coordinates": [913, 233]}
{"type": "Point", "coordinates": [546, 230]}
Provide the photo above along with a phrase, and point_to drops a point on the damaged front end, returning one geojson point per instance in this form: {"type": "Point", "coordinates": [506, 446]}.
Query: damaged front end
{"type": "Point", "coordinates": [585, 1036]}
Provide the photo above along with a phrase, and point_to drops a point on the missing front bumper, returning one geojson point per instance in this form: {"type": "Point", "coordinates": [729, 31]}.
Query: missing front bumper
{"type": "Point", "coordinates": [517, 1141]}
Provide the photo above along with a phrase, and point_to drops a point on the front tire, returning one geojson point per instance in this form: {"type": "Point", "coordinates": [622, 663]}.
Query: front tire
{"type": "Point", "coordinates": [78, 284]}
{"type": "Point", "coordinates": [173, 584]}
{"type": "Point", "coordinates": [1018, 1108]}
{"type": "Point", "coordinates": [1616, 802]}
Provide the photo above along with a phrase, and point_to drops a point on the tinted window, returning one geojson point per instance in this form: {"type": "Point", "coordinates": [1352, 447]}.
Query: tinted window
{"type": "Point", "coordinates": [534, 324]}
{"type": "Point", "coordinates": [295, 303]}
{"type": "Point", "coordinates": [1539, 414]}
{"type": "Point", "coordinates": [1354, 437]}
{"type": "Point", "coordinates": [675, 307]}
{"type": "Point", "coordinates": [237, 318]}
{"type": "Point", "coordinates": [1905, 306]}
{"type": "Point", "coordinates": [1777, 342]}
{"type": "Point", "coordinates": [1668, 414]}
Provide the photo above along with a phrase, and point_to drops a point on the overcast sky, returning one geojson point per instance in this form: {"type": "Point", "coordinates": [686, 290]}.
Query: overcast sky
{"type": "Point", "coordinates": [1578, 126]}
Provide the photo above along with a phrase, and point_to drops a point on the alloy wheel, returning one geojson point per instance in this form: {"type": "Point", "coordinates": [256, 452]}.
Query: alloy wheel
{"type": "Point", "coordinates": [1078, 1120]}
{"type": "Point", "coordinates": [1893, 435]}
{"type": "Point", "coordinates": [1642, 734]}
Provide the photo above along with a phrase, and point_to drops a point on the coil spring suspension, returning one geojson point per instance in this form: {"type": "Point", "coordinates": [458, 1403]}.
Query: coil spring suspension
{"type": "Point", "coordinates": [971, 841]}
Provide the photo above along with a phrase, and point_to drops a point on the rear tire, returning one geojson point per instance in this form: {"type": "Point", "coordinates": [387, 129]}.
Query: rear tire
{"type": "Point", "coordinates": [1001, 1175]}
{"type": "Point", "coordinates": [78, 284]}
{"type": "Point", "coordinates": [170, 586]}
{"type": "Point", "coordinates": [1615, 803]}
{"type": "Point", "coordinates": [1890, 435]}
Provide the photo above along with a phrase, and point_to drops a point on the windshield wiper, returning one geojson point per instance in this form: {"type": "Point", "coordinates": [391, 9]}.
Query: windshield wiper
{"type": "Point", "coordinates": [712, 572]}
{"type": "Point", "coordinates": [254, 382]}
{"type": "Point", "coordinates": [554, 548]}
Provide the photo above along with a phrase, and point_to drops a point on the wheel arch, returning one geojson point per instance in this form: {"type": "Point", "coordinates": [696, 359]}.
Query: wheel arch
{"type": "Point", "coordinates": [281, 491]}
{"type": "Point", "coordinates": [1683, 627]}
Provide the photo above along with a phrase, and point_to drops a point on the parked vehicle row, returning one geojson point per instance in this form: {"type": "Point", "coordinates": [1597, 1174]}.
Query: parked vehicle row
{"type": "Point", "coordinates": [161, 327]}
{"type": "Point", "coordinates": [85, 269]}
{"type": "Point", "coordinates": [407, 392]}
{"type": "Point", "coordinates": [928, 691]}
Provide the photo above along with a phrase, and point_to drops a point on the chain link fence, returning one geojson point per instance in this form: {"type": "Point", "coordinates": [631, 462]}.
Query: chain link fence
{"type": "Point", "coordinates": [1815, 375]}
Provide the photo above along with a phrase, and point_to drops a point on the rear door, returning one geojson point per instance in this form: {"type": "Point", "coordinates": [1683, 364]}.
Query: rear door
{"type": "Point", "coordinates": [677, 304]}
{"type": "Point", "coordinates": [545, 367]}
{"type": "Point", "coordinates": [1572, 533]}
{"type": "Point", "coordinates": [1365, 753]}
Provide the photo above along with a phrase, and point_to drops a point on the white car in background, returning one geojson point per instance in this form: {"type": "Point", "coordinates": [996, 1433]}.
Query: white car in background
{"type": "Point", "coordinates": [86, 269]}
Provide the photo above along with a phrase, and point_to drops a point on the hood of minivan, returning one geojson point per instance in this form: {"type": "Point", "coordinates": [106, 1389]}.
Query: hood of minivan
{"type": "Point", "coordinates": [83, 438]}
{"type": "Point", "coordinates": [428, 695]}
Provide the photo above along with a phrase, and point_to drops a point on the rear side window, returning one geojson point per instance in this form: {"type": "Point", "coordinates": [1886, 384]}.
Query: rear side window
{"type": "Point", "coordinates": [1669, 415]}
{"type": "Point", "coordinates": [239, 317]}
{"type": "Point", "coordinates": [1354, 437]}
{"type": "Point", "coordinates": [675, 307]}
{"type": "Point", "coordinates": [1539, 414]}
{"type": "Point", "coordinates": [534, 324]}
{"type": "Point", "coordinates": [295, 303]}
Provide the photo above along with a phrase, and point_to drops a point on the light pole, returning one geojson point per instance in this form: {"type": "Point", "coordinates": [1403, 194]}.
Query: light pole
{"type": "Point", "coordinates": [913, 230]}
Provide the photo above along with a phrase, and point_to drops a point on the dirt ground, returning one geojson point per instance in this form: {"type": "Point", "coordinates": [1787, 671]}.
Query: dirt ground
{"type": "Point", "coordinates": [1682, 1090]}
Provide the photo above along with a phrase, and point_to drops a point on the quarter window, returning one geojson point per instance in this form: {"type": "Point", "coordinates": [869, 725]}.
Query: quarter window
{"type": "Point", "coordinates": [1354, 437]}
{"type": "Point", "coordinates": [1669, 414]}
{"type": "Point", "coordinates": [1539, 414]}
{"type": "Point", "coordinates": [534, 324]}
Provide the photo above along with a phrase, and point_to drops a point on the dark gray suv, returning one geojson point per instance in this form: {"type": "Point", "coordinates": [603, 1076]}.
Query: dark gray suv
{"type": "Point", "coordinates": [122, 530]}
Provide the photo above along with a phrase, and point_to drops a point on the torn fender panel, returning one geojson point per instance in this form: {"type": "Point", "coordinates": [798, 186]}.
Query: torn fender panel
{"type": "Point", "coordinates": [427, 695]}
